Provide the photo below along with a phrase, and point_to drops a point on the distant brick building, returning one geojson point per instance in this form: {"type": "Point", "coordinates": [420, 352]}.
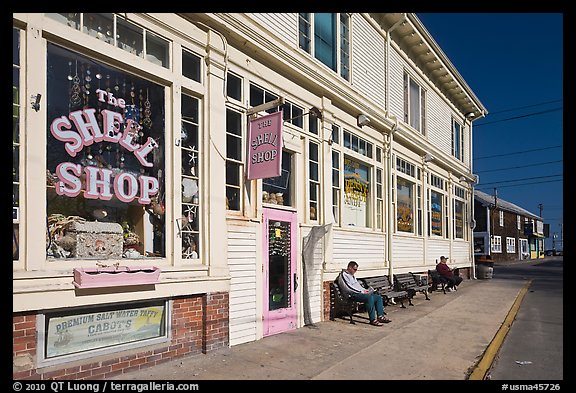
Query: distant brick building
{"type": "Point", "coordinates": [505, 231]}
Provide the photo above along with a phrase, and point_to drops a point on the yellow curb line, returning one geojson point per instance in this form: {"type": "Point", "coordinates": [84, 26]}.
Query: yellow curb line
{"type": "Point", "coordinates": [485, 363]}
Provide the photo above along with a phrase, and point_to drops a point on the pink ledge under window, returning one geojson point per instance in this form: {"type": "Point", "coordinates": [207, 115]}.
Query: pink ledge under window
{"type": "Point", "coordinates": [112, 276]}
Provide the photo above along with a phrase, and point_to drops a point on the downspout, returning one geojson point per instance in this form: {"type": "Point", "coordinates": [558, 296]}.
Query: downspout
{"type": "Point", "coordinates": [391, 217]}
{"type": "Point", "coordinates": [390, 226]}
{"type": "Point", "coordinates": [472, 221]}
{"type": "Point", "coordinates": [472, 199]}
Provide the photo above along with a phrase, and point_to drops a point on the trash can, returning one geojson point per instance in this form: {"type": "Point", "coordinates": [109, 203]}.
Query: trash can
{"type": "Point", "coordinates": [484, 269]}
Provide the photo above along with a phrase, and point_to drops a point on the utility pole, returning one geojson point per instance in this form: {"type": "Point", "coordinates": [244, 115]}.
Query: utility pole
{"type": "Point", "coordinates": [541, 207]}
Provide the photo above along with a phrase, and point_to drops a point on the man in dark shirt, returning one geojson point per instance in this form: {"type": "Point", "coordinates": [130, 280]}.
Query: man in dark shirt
{"type": "Point", "coordinates": [445, 271]}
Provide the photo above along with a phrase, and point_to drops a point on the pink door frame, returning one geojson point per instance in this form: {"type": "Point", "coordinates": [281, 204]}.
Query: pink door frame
{"type": "Point", "coordinates": [282, 319]}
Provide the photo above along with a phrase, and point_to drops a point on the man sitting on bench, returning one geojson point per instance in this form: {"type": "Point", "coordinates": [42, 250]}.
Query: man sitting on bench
{"type": "Point", "coordinates": [373, 301]}
{"type": "Point", "coordinates": [445, 271]}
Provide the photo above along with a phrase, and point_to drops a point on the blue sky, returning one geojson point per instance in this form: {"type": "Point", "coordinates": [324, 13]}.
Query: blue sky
{"type": "Point", "coordinates": [513, 62]}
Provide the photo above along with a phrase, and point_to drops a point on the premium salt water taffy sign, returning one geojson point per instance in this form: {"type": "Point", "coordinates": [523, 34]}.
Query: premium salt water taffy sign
{"type": "Point", "coordinates": [265, 148]}
{"type": "Point", "coordinates": [125, 184]}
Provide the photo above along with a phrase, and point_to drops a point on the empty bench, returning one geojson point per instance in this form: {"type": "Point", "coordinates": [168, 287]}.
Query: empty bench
{"type": "Point", "coordinates": [409, 283]}
{"type": "Point", "coordinates": [384, 288]}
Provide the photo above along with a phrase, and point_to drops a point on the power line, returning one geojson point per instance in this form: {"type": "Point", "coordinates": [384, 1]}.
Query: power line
{"type": "Point", "coordinates": [517, 185]}
{"type": "Point", "coordinates": [525, 178]}
{"type": "Point", "coordinates": [519, 117]}
{"type": "Point", "coordinates": [517, 167]}
{"type": "Point", "coordinates": [518, 152]}
{"type": "Point", "coordinates": [524, 107]}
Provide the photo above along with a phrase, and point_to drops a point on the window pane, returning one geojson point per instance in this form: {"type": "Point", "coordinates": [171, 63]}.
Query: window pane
{"type": "Point", "coordinates": [130, 37]}
{"type": "Point", "coordinates": [101, 26]}
{"type": "Point", "coordinates": [325, 39]}
{"type": "Point", "coordinates": [304, 31]}
{"type": "Point", "coordinates": [233, 147]}
{"type": "Point", "coordinates": [234, 87]}
{"type": "Point", "coordinates": [157, 50]}
{"type": "Point", "coordinates": [414, 105]}
{"type": "Point", "coordinates": [191, 66]}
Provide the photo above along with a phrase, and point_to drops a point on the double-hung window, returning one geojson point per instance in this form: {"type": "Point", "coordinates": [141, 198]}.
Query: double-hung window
{"type": "Point", "coordinates": [327, 36]}
{"type": "Point", "coordinates": [414, 104]}
{"type": "Point", "coordinates": [457, 140]}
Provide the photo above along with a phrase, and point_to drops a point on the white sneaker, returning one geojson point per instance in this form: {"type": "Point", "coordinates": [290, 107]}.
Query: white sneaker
{"type": "Point", "coordinates": [451, 290]}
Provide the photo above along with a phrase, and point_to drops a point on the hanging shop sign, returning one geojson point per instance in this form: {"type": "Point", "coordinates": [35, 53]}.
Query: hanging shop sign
{"type": "Point", "coordinates": [265, 148]}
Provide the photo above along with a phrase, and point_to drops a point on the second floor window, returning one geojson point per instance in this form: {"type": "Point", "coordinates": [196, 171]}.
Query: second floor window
{"type": "Point", "coordinates": [327, 36]}
{"type": "Point", "coordinates": [457, 140]}
{"type": "Point", "coordinates": [414, 104]}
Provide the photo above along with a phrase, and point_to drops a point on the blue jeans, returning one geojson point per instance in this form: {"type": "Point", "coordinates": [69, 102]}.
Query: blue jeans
{"type": "Point", "coordinates": [373, 302]}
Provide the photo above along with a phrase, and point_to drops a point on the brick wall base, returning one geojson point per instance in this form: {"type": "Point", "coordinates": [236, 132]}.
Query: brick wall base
{"type": "Point", "coordinates": [199, 325]}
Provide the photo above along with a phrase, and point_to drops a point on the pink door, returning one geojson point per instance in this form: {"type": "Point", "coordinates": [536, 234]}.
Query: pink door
{"type": "Point", "coordinates": [280, 276]}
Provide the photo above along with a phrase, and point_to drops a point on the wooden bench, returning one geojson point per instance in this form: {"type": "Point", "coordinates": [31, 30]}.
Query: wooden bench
{"type": "Point", "coordinates": [340, 303]}
{"type": "Point", "coordinates": [408, 282]}
{"type": "Point", "coordinates": [437, 280]}
{"type": "Point", "coordinates": [384, 288]}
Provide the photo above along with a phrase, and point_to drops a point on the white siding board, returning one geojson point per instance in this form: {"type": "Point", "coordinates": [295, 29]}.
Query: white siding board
{"type": "Point", "coordinates": [396, 80]}
{"type": "Point", "coordinates": [365, 248]}
{"type": "Point", "coordinates": [285, 25]}
{"type": "Point", "coordinates": [407, 251]}
{"type": "Point", "coordinates": [439, 122]}
{"type": "Point", "coordinates": [368, 60]}
{"type": "Point", "coordinates": [242, 298]}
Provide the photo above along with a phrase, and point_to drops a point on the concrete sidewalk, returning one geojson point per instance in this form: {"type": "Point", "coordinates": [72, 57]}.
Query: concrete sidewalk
{"type": "Point", "coordinates": [440, 339]}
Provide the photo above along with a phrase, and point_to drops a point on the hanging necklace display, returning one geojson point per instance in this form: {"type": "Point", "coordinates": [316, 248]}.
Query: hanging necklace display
{"type": "Point", "coordinates": [147, 121]}
{"type": "Point", "coordinates": [99, 111]}
{"type": "Point", "coordinates": [75, 99]}
{"type": "Point", "coordinates": [86, 86]}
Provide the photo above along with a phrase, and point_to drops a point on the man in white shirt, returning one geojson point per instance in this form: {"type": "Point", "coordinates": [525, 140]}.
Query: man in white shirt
{"type": "Point", "coordinates": [350, 285]}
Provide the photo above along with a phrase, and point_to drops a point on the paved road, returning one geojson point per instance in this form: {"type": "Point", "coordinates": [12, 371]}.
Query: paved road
{"type": "Point", "coordinates": [533, 348]}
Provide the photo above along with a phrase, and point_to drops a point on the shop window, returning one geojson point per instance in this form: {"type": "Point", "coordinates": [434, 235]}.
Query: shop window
{"type": "Point", "coordinates": [83, 333]}
{"type": "Point", "coordinates": [278, 190]}
{"type": "Point", "coordinates": [105, 161]}
{"type": "Point", "coordinates": [404, 205]}
{"type": "Point", "coordinates": [314, 180]}
{"type": "Point", "coordinates": [436, 213]}
{"type": "Point", "coordinates": [356, 205]}
{"type": "Point", "coordinates": [234, 160]}
{"type": "Point", "coordinates": [189, 223]}
{"type": "Point", "coordinates": [191, 65]}
{"type": "Point", "coordinates": [459, 219]}
{"type": "Point", "coordinates": [16, 144]}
